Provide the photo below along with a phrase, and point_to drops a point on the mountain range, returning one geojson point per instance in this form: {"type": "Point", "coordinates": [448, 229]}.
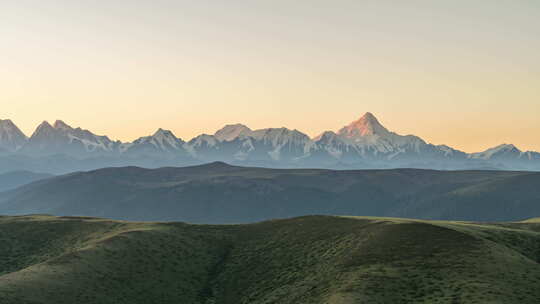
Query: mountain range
{"type": "Point", "coordinates": [218, 193]}
{"type": "Point", "coordinates": [362, 144]}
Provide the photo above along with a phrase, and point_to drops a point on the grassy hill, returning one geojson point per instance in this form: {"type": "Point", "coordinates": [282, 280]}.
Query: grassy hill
{"type": "Point", "coordinates": [218, 193]}
{"type": "Point", "coordinates": [311, 259]}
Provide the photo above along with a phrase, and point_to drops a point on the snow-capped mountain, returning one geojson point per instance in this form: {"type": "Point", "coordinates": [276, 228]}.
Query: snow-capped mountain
{"type": "Point", "coordinates": [365, 126]}
{"type": "Point", "coordinates": [161, 142]}
{"type": "Point", "coordinates": [364, 143]}
{"type": "Point", "coordinates": [331, 148]}
{"type": "Point", "coordinates": [60, 138]}
{"type": "Point", "coordinates": [231, 132]}
{"type": "Point", "coordinates": [508, 156]}
{"type": "Point", "coordinates": [281, 144]}
{"type": "Point", "coordinates": [367, 139]}
{"type": "Point", "coordinates": [11, 137]}
{"type": "Point", "coordinates": [504, 151]}
{"type": "Point", "coordinates": [239, 143]}
{"type": "Point", "coordinates": [374, 140]}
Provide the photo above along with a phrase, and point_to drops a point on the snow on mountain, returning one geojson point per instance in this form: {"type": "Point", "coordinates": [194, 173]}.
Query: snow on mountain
{"type": "Point", "coordinates": [203, 140]}
{"type": "Point", "coordinates": [202, 145]}
{"type": "Point", "coordinates": [231, 132]}
{"type": "Point", "coordinates": [11, 137]}
{"type": "Point", "coordinates": [165, 139]}
{"type": "Point", "coordinates": [364, 143]}
{"type": "Point", "coordinates": [367, 125]}
{"type": "Point", "coordinates": [450, 152]}
{"type": "Point", "coordinates": [508, 156]}
{"type": "Point", "coordinates": [335, 145]}
{"type": "Point", "coordinates": [91, 141]}
{"type": "Point", "coordinates": [500, 151]}
{"type": "Point", "coordinates": [60, 138]}
{"type": "Point", "coordinates": [44, 131]}
{"type": "Point", "coordinates": [239, 143]}
{"type": "Point", "coordinates": [530, 155]}
{"type": "Point", "coordinates": [282, 143]}
{"type": "Point", "coordinates": [373, 140]}
{"type": "Point", "coordinates": [366, 139]}
{"type": "Point", "coordinates": [162, 141]}
{"type": "Point", "coordinates": [281, 136]}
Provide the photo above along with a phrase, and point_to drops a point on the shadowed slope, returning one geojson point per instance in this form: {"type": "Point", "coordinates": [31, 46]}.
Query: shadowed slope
{"type": "Point", "coordinates": [14, 179]}
{"type": "Point", "coordinates": [219, 193]}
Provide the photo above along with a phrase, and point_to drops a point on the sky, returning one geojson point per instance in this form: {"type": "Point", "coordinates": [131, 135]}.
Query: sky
{"type": "Point", "coordinates": [461, 73]}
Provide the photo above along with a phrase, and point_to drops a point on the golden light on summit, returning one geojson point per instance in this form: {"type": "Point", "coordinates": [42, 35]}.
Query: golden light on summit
{"type": "Point", "coordinates": [125, 69]}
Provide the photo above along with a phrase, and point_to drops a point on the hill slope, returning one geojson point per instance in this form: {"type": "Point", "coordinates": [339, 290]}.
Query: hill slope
{"type": "Point", "coordinates": [313, 259]}
{"type": "Point", "coordinates": [219, 193]}
{"type": "Point", "coordinates": [14, 179]}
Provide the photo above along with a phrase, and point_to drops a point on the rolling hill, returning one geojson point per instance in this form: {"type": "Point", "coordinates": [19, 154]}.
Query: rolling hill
{"type": "Point", "coordinates": [220, 193]}
{"type": "Point", "coordinates": [14, 179]}
{"type": "Point", "coordinates": [312, 259]}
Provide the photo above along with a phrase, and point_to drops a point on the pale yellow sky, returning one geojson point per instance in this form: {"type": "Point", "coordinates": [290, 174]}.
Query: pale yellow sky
{"type": "Point", "coordinates": [462, 74]}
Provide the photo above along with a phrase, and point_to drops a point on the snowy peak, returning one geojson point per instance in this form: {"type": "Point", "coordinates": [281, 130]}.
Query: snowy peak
{"type": "Point", "coordinates": [45, 125]}
{"type": "Point", "coordinates": [506, 147]}
{"type": "Point", "coordinates": [9, 130]}
{"type": "Point", "coordinates": [365, 126]}
{"type": "Point", "coordinates": [43, 130]}
{"type": "Point", "coordinates": [11, 137]}
{"type": "Point", "coordinates": [364, 143]}
{"type": "Point", "coordinates": [161, 141]}
{"type": "Point", "coordinates": [280, 135]}
{"type": "Point", "coordinates": [500, 151]}
{"type": "Point", "coordinates": [6, 125]}
{"type": "Point", "coordinates": [330, 138]}
{"type": "Point", "coordinates": [325, 136]}
{"type": "Point", "coordinates": [231, 132]}
{"type": "Point", "coordinates": [164, 134]}
{"type": "Point", "coordinates": [166, 140]}
{"type": "Point", "coordinates": [60, 125]}
{"type": "Point", "coordinates": [61, 138]}
{"type": "Point", "coordinates": [203, 140]}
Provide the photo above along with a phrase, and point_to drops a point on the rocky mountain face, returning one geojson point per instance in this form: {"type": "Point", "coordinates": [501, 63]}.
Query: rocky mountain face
{"type": "Point", "coordinates": [11, 137]}
{"type": "Point", "coordinates": [161, 143]}
{"type": "Point", "coordinates": [364, 143]}
{"type": "Point", "coordinates": [60, 138]}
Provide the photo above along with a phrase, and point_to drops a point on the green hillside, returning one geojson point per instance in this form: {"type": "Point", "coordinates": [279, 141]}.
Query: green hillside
{"type": "Point", "coordinates": [313, 259]}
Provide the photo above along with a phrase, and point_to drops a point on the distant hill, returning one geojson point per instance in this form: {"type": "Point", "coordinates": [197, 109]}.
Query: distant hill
{"type": "Point", "coordinates": [220, 193]}
{"type": "Point", "coordinates": [314, 259]}
{"type": "Point", "coordinates": [14, 179]}
{"type": "Point", "coordinates": [364, 143]}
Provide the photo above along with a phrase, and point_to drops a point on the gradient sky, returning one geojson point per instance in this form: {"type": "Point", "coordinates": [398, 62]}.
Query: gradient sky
{"type": "Point", "coordinates": [462, 73]}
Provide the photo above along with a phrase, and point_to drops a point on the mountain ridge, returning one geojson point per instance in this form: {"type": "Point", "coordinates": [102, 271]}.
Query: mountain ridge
{"type": "Point", "coordinates": [364, 143]}
{"type": "Point", "coordinates": [221, 193]}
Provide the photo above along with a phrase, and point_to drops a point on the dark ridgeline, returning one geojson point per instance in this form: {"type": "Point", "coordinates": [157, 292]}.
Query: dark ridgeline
{"type": "Point", "coordinates": [14, 179]}
{"type": "Point", "coordinates": [220, 193]}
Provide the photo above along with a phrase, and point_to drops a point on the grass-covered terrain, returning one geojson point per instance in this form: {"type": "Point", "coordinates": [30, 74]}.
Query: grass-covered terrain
{"type": "Point", "coordinates": [313, 259]}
